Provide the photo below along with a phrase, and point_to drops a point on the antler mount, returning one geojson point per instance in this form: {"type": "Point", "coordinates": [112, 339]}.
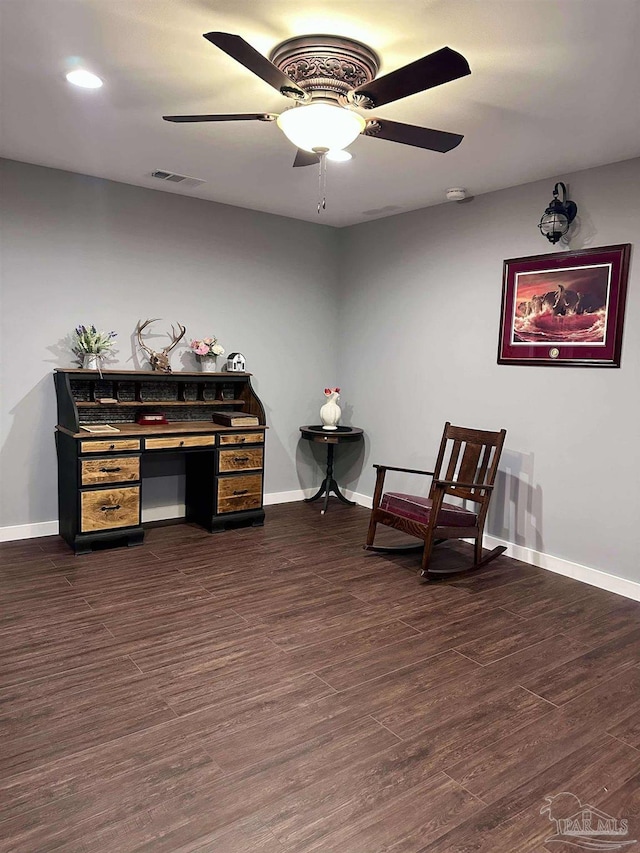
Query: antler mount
{"type": "Point", "coordinates": [159, 360]}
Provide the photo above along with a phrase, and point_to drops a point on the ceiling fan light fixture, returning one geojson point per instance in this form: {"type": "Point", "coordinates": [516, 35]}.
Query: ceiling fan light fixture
{"type": "Point", "coordinates": [321, 126]}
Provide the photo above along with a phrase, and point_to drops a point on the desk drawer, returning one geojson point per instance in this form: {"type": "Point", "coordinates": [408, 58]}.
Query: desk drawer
{"type": "Point", "coordinates": [177, 442]}
{"type": "Point", "coordinates": [240, 459]}
{"type": "Point", "coordinates": [242, 438]}
{"type": "Point", "coordinates": [238, 493]}
{"type": "Point", "coordinates": [116, 469]}
{"type": "Point", "coordinates": [104, 509]}
{"type": "Point", "coordinates": [105, 446]}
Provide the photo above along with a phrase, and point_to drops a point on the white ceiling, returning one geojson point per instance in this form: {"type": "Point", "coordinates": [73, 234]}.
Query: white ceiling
{"type": "Point", "coordinates": [554, 88]}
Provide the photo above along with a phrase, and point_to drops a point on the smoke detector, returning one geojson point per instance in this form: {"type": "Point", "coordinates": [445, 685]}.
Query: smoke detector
{"type": "Point", "coordinates": [456, 194]}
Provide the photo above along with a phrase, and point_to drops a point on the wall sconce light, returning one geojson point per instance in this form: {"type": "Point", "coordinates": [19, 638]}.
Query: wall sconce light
{"type": "Point", "coordinates": [557, 218]}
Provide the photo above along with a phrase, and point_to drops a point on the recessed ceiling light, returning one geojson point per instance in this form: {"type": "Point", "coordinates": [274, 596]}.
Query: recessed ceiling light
{"type": "Point", "coordinates": [339, 156]}
{"type": "Point", "coordinates": [83, 78]}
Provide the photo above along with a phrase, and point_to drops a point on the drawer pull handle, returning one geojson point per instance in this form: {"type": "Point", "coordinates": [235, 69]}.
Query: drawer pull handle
{"type": "Point", "coordinates": [240, 491]}
{"type": "Point", "coordinates": [110, 470]}
{"type": "Point", "coordinates": [181, 444]}
{"type": "Point", "coordinates": [110, 508]}
{"type": "Point", "coordinates": [241, 439]}
{"type": "Point", "coordinates": [240, 458]}
{"type": "Point", "coordinates": [112, 447]}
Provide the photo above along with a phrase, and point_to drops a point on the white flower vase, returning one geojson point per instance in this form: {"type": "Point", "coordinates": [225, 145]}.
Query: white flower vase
{"type": "Point", "coordinates": [91, 361]}
{"type": "Point", "coordinates": [208, 363]}
{"type": "Point", "coordinates": [330, 413]}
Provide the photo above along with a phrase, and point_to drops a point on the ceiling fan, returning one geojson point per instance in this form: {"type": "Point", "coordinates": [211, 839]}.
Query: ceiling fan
{"type": "Point", "coordinates": [331, 78]}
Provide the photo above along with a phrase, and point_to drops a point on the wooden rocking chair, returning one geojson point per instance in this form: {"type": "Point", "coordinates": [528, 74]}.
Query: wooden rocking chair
{"type": "Point", "coordinates": [470, 459]}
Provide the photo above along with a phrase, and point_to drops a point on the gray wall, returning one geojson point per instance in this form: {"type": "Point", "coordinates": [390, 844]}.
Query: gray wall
{"type": "Point", "coordinates": [402, 313]}
{"type": "Point", "coordinates": [419, 318]}
{"type": "Point", "coordinates": [83, 250]}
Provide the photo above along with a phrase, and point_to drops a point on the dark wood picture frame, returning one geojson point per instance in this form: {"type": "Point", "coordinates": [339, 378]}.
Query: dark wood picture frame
{"type": "Point", "coordinates": [564, 309]}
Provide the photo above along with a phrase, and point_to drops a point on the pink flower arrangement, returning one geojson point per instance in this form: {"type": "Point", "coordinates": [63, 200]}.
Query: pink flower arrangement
{"type": "Point", "coordinates": [207, 347]}
{"type": "Point", "coordinates": [329, 391]}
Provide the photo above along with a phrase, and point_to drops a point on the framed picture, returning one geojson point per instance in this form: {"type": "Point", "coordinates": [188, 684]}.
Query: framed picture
{"type": "Point", "coordinates": [564, 309]}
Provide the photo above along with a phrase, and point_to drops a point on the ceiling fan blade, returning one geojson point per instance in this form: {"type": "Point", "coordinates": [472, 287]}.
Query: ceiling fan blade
{"type": "Point", "coordinates": [409, 134]}
{"type": "Point", "coordinates": [305, 158]}
{"type": "Point", "coordinates": [240, 50]}
{"type": "Point", "coordinates": [432, 70]}
{"type": "Point", "coordinates": [232, 117]}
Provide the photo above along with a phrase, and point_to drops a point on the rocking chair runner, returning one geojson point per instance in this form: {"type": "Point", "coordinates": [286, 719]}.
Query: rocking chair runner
{"type": "Point", "coordinates": [472, 457]}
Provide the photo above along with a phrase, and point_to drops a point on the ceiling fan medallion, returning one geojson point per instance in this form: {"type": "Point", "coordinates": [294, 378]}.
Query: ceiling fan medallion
{"type": "Point", "coordinates": [326, 66]}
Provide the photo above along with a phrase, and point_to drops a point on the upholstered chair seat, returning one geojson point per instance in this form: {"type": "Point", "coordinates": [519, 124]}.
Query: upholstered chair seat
{"type": "Point", "coordinates": [419, 509]}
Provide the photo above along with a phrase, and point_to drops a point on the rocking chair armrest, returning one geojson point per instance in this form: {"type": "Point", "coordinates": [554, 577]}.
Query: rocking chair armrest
{"type": "Point", "coordinates": [381, 472]}
{"type": "Point", "coordinates": [444, 483]}
{"type": "Point", "coordinates": [405, 470]}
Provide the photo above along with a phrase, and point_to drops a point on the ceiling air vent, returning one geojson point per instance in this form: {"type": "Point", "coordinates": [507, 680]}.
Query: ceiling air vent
{"type": "Point", "coordinates": [173, 178]}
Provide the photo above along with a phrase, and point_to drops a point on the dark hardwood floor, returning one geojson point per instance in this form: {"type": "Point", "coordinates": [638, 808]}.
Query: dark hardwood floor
{"type": "Point", "coordinates": [279, 690]}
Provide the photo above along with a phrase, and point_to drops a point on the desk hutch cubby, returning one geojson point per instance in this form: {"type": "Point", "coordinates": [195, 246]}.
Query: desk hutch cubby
{"type": "Point", "coordinates": [99, 475]}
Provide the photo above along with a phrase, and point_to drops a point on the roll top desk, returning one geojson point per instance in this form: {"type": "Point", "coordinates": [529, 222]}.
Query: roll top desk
{"type": "Point", "coordinates": [99, 475]}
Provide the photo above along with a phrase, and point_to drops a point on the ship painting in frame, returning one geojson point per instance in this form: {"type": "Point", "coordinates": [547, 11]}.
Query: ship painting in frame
{"type": "Point", "coordinates": [564, 309]}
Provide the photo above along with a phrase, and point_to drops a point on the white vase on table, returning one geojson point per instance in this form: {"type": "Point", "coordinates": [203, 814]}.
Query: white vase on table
{"type": "Point", "coordinates": [331, 412]}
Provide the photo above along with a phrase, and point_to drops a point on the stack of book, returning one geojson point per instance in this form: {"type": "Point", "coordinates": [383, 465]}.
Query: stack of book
{"type": "Point", "coordinates": [235, 418]}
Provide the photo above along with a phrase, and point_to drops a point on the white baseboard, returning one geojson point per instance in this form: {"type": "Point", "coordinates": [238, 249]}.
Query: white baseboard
{"type": "Point", "coordinates": [360, 499]}
{"type": "Point", "coordinates": [28, 531]}
{"type": "Point", "coordinates": [287, 497]}
{"type": "Point", "coordinates": [163, 513]}
{"type": "Point", "coordinates": [594, 577]}
{"type": "Point", "coordinates": [586, 574]}
{"type": "Point", "coordinates": [301, 494]}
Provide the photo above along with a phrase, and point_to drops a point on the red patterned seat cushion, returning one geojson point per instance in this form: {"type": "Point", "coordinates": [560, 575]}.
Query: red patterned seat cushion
{"type": "Point", "coordinates": [419, 509]}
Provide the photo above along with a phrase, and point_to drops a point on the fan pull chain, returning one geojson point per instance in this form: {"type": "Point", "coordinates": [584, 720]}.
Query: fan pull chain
{"type": "Point", "coordinates": [322, 178]}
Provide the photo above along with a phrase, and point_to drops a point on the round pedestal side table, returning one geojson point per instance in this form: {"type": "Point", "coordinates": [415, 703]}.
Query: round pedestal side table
{"type": "Point", "coordinates": [340, 435]}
